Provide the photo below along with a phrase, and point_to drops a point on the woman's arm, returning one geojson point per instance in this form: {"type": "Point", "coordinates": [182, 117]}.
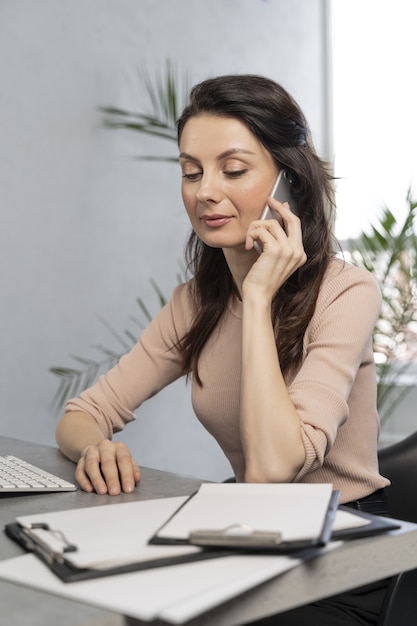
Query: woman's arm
{"type": "Point", "coordinates": [102, 466]}
{"type": "Point", "coordinates": [84, 433]}
{"type": "Point", "coordinates": [269, 423]}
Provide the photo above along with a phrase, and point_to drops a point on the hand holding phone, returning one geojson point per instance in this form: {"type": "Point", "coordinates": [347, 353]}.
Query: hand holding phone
{"type": "Point", "coordinates": [282, 192]}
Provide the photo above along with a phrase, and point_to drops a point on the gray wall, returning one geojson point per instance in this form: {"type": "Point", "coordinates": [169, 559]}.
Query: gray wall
{"type": "Point", "coordinates": [83, 226]}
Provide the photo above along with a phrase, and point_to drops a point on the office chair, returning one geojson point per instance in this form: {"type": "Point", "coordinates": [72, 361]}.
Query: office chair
{"type": "Point", "coordinates": [399, 463]}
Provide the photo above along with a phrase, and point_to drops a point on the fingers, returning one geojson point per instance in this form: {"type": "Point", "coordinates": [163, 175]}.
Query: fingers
{"type": "Point", "coordinates": [281, 255]}
{"type": "Point", "coordinates": [107, 468]}
{"type": "Point", "coordinates": [278, 238]}
{"type": "Point", "coordinates": [129, 472]}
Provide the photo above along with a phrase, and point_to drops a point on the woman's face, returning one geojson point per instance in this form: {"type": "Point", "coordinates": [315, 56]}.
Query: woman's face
{"type": "Point", "coordinates": [227, 176]}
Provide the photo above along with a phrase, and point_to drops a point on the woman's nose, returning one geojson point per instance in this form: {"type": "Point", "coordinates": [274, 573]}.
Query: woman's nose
{"type": "Point", "coordinates": [208, 190]}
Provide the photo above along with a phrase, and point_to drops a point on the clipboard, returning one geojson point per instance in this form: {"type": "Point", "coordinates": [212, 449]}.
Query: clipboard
{"type": "Point", "coordinates": [69, 543]}
{"type": "Point", "coordinates": [275, 518]}
{"type": "Point", "coordinates": [62, 539]}
{"type": "Point", "coordinates": [371, 524]}
{"type": "Point", "coordinates": [127, 541]}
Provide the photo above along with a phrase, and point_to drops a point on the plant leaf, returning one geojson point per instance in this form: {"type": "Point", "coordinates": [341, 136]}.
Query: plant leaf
{"type": "Point", "coordinates": [167, 94]}
{"type": "Point", "coordinates": [390, 253]}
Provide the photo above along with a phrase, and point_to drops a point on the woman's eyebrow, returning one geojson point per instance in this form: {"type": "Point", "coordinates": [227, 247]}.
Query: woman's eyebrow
{"type": "Point", "coordinates": [188, 157]}
{"type": "Point", "coordinates": [232, 151]}
{"type": "Point", "coordinates": [222, 155]}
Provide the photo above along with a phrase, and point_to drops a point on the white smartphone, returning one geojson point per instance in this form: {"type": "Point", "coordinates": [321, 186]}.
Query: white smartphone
{"type": "Point", "coordinates": [282, 192]}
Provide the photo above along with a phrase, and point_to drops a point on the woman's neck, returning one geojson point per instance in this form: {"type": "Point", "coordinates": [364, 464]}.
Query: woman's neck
{"type": "Point", "coordinates": [239, 262]}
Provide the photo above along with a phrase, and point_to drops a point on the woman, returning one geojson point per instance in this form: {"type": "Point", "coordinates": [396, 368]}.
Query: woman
{"type": "Point", "coordinates": [278, 345]}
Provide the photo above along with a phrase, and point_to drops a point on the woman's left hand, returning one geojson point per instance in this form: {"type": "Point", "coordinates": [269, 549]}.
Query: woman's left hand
{"type": "Point", "coordinates": [282, 250]}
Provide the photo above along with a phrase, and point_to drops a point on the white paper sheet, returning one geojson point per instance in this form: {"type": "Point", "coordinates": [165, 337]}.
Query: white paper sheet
{"type": "Point", "coordinates": [346, 520]}
{"type": "Point", "coordinates": [296, 510]}
{"type": "Point", "coordinates": [176, 593]}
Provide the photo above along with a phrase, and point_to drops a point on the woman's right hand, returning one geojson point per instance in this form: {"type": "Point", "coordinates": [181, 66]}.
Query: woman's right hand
{"type": "Point", "coordinates": [107, 467]}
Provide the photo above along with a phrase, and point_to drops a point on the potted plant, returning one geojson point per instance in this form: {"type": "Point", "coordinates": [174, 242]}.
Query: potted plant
{"type": "Point", "coordinates": [390, 253]}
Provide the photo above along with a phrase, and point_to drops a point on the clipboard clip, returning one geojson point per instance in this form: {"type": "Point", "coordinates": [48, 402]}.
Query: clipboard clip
{"type": "Point", "coordinates": [236, 536]}
{"type": "Point", "coordinates": [35, 542]}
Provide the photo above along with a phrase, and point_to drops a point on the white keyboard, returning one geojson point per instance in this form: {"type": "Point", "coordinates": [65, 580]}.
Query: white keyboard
{"type": "Point", "coordinates": [18, 476]}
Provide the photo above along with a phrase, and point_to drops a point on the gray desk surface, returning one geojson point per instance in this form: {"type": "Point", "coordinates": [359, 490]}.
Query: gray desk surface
{"type": "Point", "coordinates": [351, 565]}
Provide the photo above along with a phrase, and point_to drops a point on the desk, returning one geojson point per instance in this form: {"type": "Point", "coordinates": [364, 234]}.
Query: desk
{"type": "Point", "coordinates": [354, 564]}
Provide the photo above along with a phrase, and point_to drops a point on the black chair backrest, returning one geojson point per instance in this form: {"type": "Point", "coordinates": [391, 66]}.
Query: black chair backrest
{"type": "Point", "coordinates": [399, 463]}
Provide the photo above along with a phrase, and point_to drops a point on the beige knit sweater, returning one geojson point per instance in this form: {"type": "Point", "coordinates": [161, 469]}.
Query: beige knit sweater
{"type": "Point", "coordinates": [334, 390]}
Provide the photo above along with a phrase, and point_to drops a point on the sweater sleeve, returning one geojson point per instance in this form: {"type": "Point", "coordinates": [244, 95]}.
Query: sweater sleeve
{"type": "Point", "coordinates": [337, 353]}
{"type": "Point", "coordinates": [150, 366]}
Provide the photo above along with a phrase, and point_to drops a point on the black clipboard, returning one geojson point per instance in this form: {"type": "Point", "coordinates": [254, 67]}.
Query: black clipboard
{"type": "Point", "coordinates": [239, 538]}
{"type": "Point", "coordinates": [68, 573]}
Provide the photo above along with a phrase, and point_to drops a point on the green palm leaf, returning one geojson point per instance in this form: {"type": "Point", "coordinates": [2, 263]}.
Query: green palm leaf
{"type": "Point", "coordinates": [390, 253]}
{"type": "Point", "coordinates": [167, 93]}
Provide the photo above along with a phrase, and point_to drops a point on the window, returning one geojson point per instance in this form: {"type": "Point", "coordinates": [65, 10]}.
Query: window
{"type": "Point", "coordinates": [374, 78]}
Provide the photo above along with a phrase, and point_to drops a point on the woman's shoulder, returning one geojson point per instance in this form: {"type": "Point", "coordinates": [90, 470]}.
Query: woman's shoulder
{"type": "Point", "coordinates": [183, 296]}
{"type": "Point", "coordinates": [343, 277]}
{"type": "Point", "coordinates": [181, 304]}
{"type": "Point", "coordinates": [347, 290]}
{"type": "Point", "coordinates": [174, 317]}
{"type": "Point", "coordinates": [341, 271]}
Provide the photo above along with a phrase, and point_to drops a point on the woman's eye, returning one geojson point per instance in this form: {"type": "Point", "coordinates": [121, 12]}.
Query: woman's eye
{"type": "Point", "coordinates": [235, 173]}
{"type": "Point", "coordinates": [192, 177]}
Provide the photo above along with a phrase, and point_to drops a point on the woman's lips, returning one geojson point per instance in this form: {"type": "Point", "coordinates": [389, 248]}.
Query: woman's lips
{"type": "Point", "coordinates": [215, 221]}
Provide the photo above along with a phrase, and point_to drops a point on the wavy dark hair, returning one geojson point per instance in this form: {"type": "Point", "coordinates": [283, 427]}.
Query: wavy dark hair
{"type": "Point", "coordinates": [277, 121]}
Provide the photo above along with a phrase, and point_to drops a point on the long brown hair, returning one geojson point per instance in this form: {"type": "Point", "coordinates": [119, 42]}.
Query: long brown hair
{"type": "Point", "coordinates": [277, 121]}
